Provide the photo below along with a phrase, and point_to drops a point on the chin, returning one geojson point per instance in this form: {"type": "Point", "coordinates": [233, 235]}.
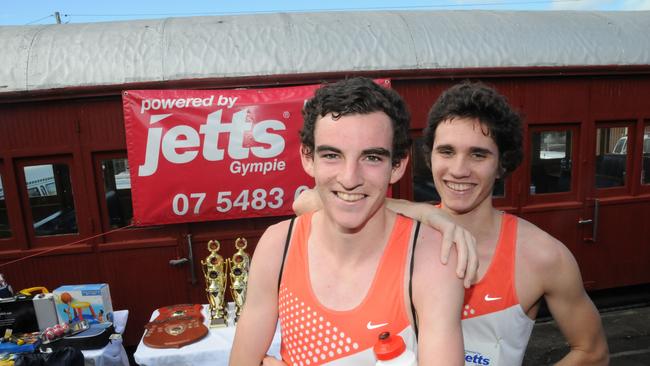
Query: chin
{"type": "Point", "coordinates": [459, 208]}
{"type": "Point", "coordinates": [349, 221]}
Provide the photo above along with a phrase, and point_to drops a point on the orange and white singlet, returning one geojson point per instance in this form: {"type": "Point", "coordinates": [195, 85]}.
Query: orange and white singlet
{"type": "Point", "coordinates": [315, 335]}
{"type": "Point", "coordinates": [495, 327]}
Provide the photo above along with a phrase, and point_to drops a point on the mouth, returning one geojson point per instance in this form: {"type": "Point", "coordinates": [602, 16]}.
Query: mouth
{"type": "Point", "coordinates": [350, 197]}
{"type": "Point", "coordinates": [459, 187]}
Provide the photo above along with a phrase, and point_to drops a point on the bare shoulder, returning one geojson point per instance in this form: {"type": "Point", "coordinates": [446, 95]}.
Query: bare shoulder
{"type": "Point", "coordinates": [437, 291]}
{"type": "Point", "coordinates": [540, 251]}
{"type": "Point", "coordinates": [428, 243]}
{"type": "Point", "coordinates": [438, 299]}
{"type": "Point", "coordinates": [276, 232]}
{"type": "Point", "coordinates": [270, 247]}
{"type": "Point", "coordinates": [266, 262]}
{"type": "Point", "coordinates": [427, 252]}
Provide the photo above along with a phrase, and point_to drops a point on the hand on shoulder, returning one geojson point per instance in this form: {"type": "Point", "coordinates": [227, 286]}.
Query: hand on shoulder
{"type": "Point", "coordinates": [307, 201]}
{"type": "Point", "coordinates": [453, 235]}
{"type": "Point", "coordinates": [427, 250]}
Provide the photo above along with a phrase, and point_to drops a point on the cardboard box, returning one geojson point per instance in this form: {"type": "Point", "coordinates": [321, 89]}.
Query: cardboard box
{"type": "Point", "coordinates": [84, 302]}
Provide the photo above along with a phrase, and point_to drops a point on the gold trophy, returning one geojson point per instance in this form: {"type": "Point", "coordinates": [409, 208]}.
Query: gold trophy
{"type": "Point", "coordinates": [214, 271]}
{"type": "Point", "coordinates": [239, 265]}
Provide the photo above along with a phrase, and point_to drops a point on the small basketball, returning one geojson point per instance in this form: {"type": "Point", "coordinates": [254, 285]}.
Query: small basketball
{"type": "Point", "coordinates": [66, 298]}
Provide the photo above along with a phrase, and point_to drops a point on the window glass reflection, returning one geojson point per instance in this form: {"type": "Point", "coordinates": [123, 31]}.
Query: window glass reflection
{"type": "Point", "coordinates": [423, 187]}
{"type": "Point", "coordinates": [5, 230]}
{"type": "Point", "coordinates": [551, 163]}
{"type": "Point", "coordinates": [117, 185]}
{"type": "Point", "coordinates": [51, 199]}
{"type": "Point", "coordinates": [645, 158]}
{"type": "Point", "coordinates": [611, 156]}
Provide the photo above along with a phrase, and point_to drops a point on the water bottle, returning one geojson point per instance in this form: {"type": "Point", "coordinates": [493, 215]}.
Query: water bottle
{"type": "Point", "coordinates": [392, 351]}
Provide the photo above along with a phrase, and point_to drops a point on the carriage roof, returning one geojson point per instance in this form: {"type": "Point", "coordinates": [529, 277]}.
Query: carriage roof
{"type": "Point", "coordinates": [47, 57]}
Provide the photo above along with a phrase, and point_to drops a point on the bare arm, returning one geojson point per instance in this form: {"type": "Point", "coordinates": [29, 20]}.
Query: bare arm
{"type": "Point", "coordinates": [452, 234]}
{"type": "Point", "coordinates": [467, 264]}
{"type": "Point", "coordinates": [573, 311]}
{"type": "Point", "coordinates": [257, 322]}
{"type": "Point", "coordinates": [438, 298]}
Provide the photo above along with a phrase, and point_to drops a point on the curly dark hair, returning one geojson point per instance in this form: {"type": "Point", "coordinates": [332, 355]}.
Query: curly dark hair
{"type": "Point", "coordinates": [357, 95]}
{"type": "Point", "coordinates": [476, 100]}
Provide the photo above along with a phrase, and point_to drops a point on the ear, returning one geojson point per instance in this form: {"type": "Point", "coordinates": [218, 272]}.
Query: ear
{"type": "Point", "coordinates": [398, 171]}
{"type": "Point", "coordinates": [501, 171]}
{"type": "Point", "coordinates": [307, 160]}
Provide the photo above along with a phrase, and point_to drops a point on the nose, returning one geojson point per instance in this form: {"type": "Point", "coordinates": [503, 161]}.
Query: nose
{"type": "Point", "coordinates": [350, 176]}
{"type": "Point", "coordinates": [459, 167]}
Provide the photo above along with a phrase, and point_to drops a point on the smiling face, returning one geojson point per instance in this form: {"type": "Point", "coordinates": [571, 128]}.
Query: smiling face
{"type": "Point", "coordinates": [464, 164]}
{"type": "Point", "coordinates": [351, 164]}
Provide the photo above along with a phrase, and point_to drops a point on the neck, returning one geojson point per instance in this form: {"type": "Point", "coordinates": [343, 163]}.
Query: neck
{"type": "Point", "coordinates": [481, 222]}
{"type": "Point", "coordinates": [352, 245]}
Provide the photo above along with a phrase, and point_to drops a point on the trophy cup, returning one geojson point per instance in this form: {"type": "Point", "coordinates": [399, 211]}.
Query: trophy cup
{"type": "Point", "coordinates": [239, 265]}
{"type": "Point", "coordinates": [214, 271]}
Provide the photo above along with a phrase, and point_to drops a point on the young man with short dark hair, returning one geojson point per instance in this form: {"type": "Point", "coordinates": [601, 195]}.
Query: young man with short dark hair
{"type": "Point", "coordinates": [353, 269]}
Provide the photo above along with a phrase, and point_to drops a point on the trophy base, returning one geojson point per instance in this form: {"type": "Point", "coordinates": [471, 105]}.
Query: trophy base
{"type": "Point", "coordinates": [218, 323]}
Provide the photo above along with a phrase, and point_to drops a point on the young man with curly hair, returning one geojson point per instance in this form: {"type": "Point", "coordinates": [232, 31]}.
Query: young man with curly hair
{"type": "Point", "coordinates": [352, 269]}
{"type": "Point", "coordinates": [473, 137]}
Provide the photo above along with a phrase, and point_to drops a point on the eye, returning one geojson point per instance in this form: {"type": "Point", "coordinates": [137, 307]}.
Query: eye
{"type": "Point", "coordinates": [329, 156]}
{"type": "Point", "coordinates": [374, 158]}
{"type": "Point", "coordinates": [480, 154]}
{"type": "Point", "coordinates": [445, 152]}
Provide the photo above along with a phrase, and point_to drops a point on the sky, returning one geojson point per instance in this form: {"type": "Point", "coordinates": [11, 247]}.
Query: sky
{"type": "Point", "coordinates": [28, 12]}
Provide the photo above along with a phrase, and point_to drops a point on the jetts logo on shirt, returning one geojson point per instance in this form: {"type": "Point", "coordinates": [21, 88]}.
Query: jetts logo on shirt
{"type": "Point", "coordinates": [476, 358]}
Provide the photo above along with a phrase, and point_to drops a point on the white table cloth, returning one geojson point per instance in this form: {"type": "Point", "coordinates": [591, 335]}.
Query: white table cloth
{"type": "Point", "coordinates": [113, 354]}
{"type": "Point", "coordinates": [214, 349]}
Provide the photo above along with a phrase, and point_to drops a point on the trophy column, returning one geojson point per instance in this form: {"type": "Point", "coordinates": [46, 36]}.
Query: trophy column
{"type": "Point", "coordinates": [239, 266]}
{"type": "Point", "coordinates": [214, 271]}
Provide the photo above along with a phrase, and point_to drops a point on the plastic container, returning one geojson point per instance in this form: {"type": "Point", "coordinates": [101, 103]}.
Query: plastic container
{"type": "Point", "coordinates": [390, 350]}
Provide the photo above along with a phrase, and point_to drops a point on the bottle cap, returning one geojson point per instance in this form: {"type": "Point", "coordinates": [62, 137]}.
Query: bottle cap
{"type": "Point", "coordinates": [389, 347]}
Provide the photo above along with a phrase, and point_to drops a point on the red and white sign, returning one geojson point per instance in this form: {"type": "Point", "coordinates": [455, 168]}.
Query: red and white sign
{"type": "Point", "coordinates": [201, 155]}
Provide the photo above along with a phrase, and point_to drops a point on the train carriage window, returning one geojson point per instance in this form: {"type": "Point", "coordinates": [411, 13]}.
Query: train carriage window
{"type": "Point", "coordinates": [645, 156]}
{"type": "Point", "coordinates": [611, 156]}
{"type": "Point", "coordinates": [423, 188]}
{"type": "Point", "coordinates": [51, 199]}
{"type": "Point", "coordinates": [551, 162]}
{"type": "Point", "coordinates": [5, 229]}
{"type": "Point", "coordinates": [117, 185]}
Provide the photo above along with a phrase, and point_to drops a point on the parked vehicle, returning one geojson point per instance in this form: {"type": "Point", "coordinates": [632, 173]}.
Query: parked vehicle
{"type": "Point", "coordinates": [611, 167]}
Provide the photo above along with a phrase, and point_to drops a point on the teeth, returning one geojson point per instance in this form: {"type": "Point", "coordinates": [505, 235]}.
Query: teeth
{"type": "Point", "coordinates": [349, 197]}
{"type": "Point", "coordinates": [459, 186]}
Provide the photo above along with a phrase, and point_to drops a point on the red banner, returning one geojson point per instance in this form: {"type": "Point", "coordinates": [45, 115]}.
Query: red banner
{"type": "Point", "coordinates": [201, 155]}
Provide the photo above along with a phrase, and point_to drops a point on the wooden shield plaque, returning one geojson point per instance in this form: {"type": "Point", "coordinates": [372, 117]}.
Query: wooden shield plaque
{"type": "Point", "coordinates": [175, 327]}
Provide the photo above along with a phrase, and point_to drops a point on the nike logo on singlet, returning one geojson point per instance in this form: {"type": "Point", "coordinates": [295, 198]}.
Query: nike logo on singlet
{"type": "Point", "coordinates": [488, 298]}
{"type": "Point", "coordinates": [375, 326]}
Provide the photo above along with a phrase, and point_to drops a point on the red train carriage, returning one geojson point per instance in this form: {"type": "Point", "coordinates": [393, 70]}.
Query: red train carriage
{"type": "Point", "coordinates": [581, 79]}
